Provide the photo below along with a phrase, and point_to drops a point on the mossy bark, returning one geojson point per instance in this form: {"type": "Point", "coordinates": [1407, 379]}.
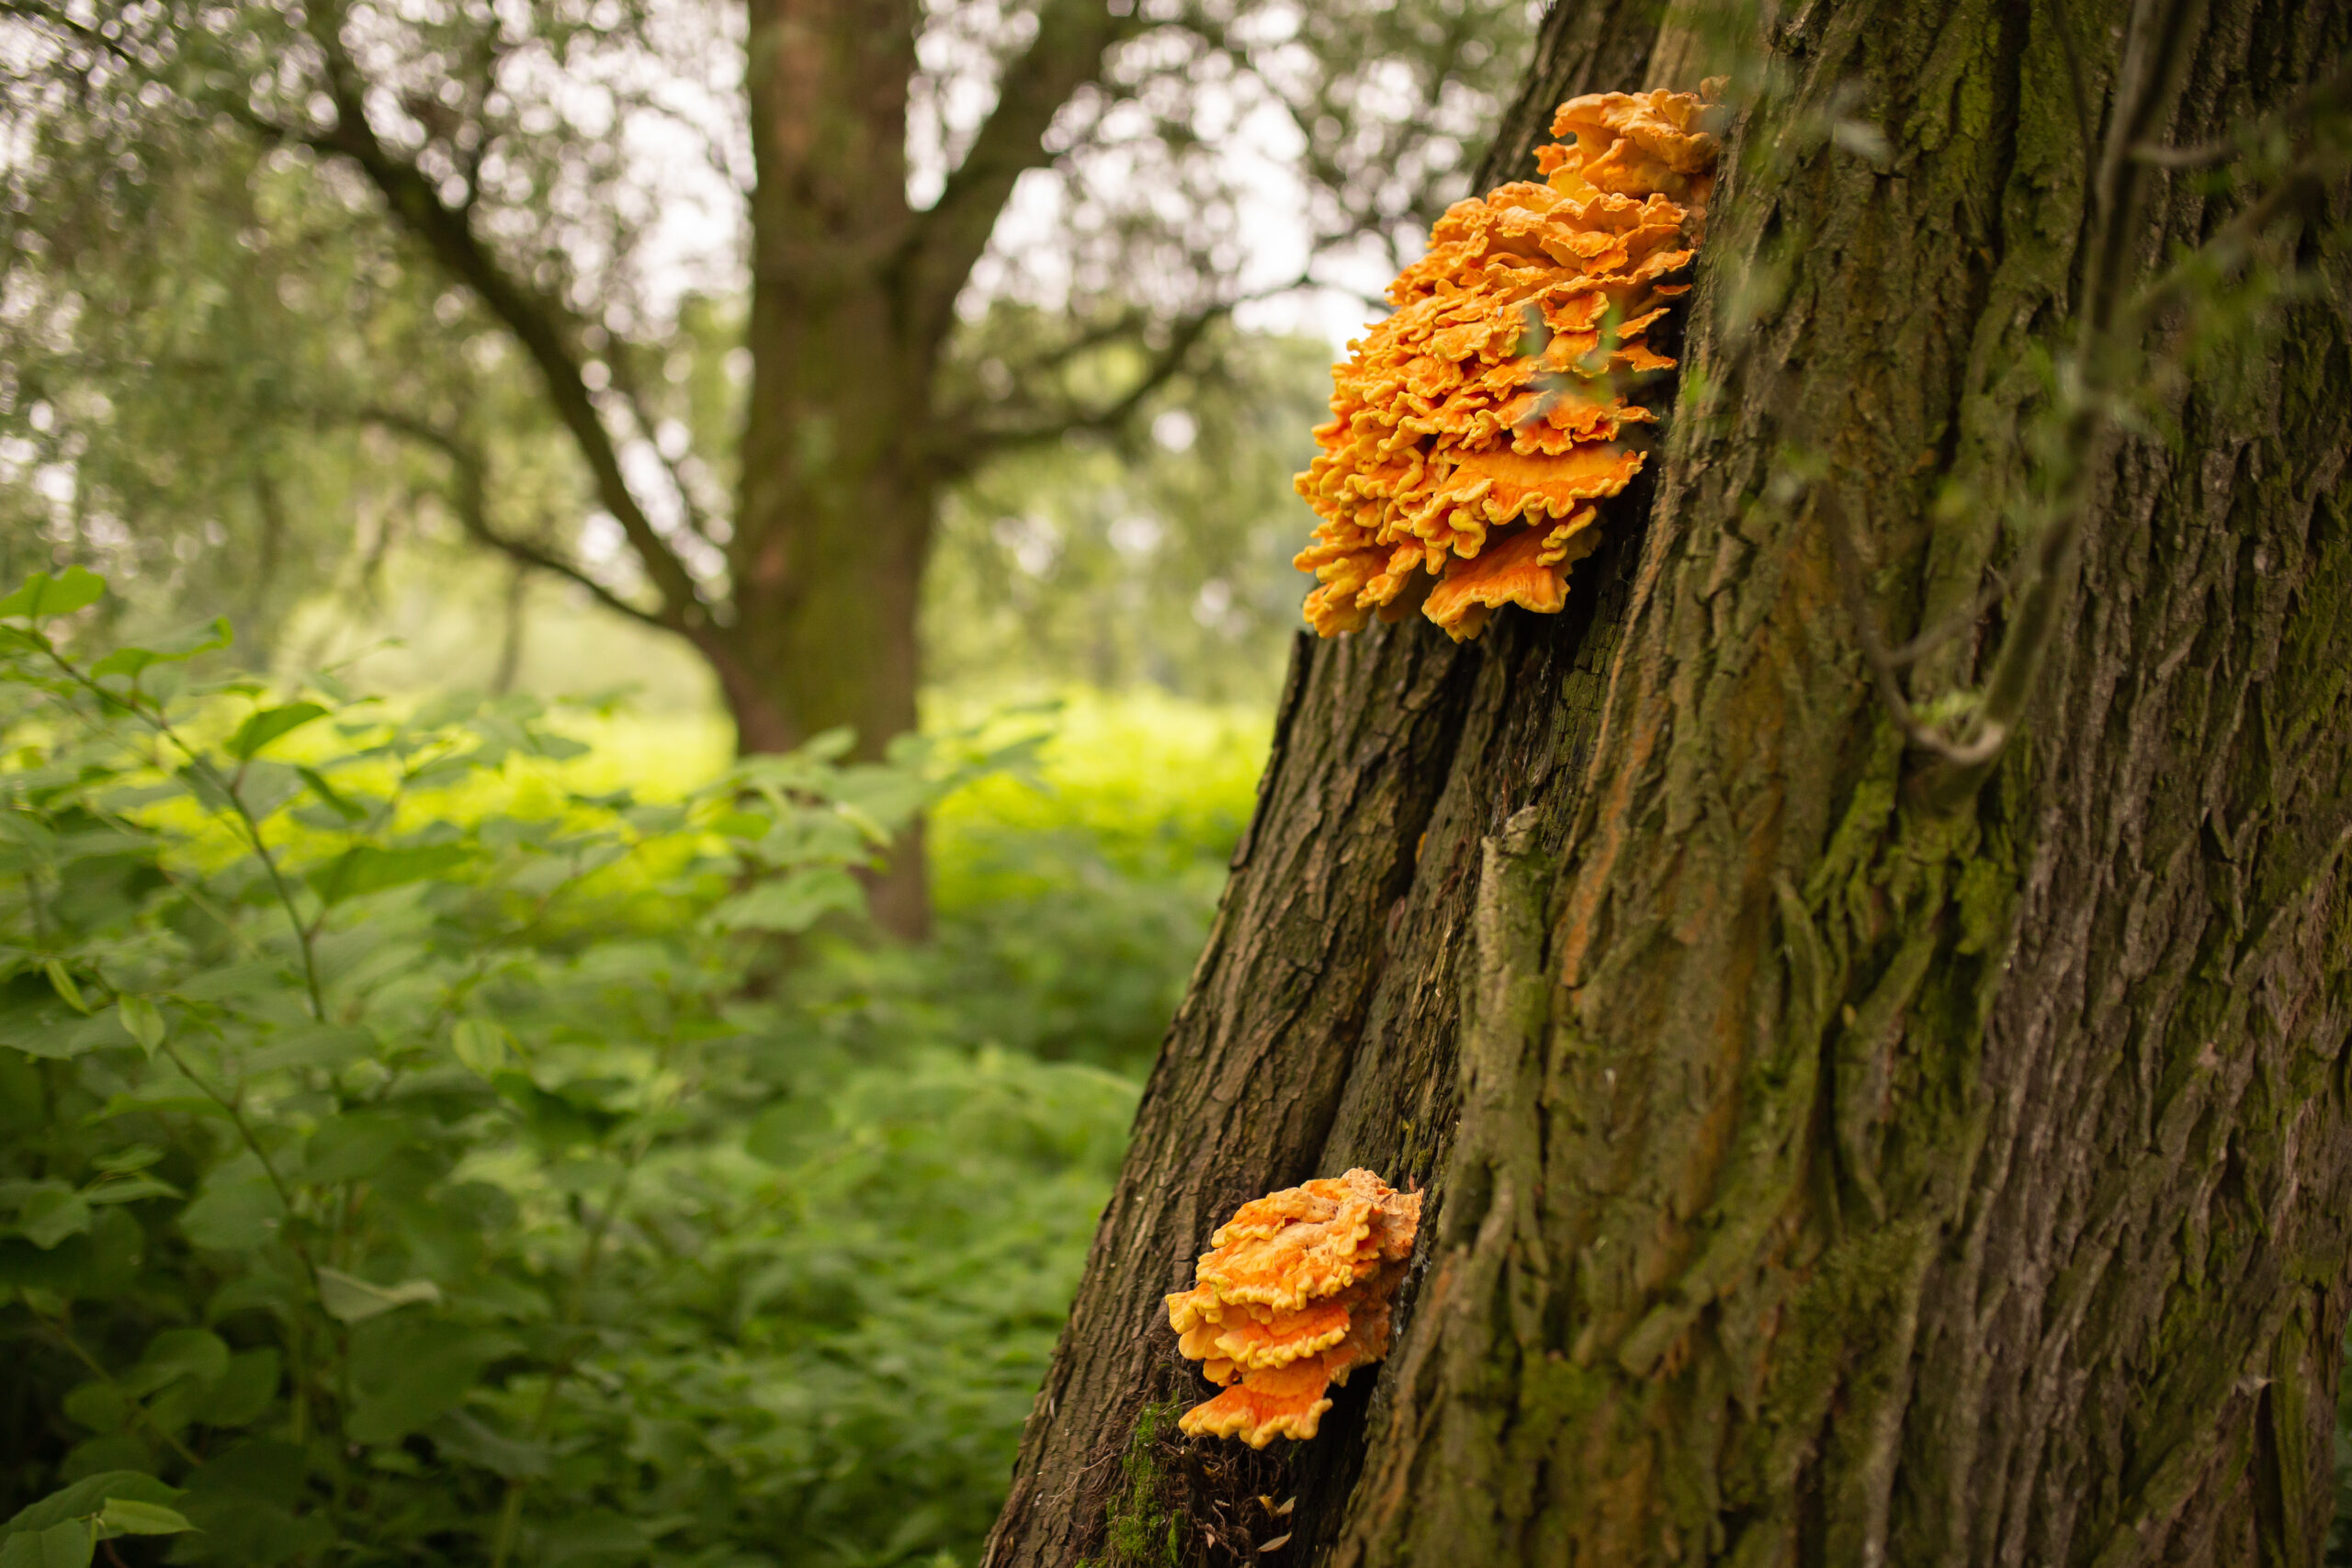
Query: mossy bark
{"type": "Point", "coordinates": [1821, 1173]}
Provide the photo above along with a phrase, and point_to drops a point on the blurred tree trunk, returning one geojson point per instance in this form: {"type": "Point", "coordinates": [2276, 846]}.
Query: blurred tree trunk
{"type": "Point", "coordinates": [1823, 1169]}
{"type": "Point", "coordinates": [848, 435]}
{"type": "Point", "coordinates": [837, 497]}
{"type": "Point", "coordinates": [845, 447]}
{"type": "Point", "coordinates": [513, 627]}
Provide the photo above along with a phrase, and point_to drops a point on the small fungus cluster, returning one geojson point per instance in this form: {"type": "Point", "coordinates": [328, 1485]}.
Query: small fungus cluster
{"type": "Point", "coordinates": [1294, 1297]}
{"type": "Point", "coordinates": [1473, 430]}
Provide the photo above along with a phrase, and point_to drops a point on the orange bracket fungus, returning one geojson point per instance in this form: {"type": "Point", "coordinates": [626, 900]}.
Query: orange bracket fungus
{"type": "Point", "coordinates": [1292, 1297]}
{"type": "Point", "coordinates": [1472, 431]}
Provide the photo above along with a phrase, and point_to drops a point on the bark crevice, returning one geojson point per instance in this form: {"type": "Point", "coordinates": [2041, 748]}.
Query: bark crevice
{"type": "Point", "coordinates": [1958, 1183]}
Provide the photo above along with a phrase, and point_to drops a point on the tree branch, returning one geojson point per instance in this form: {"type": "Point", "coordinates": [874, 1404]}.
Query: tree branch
{"type": "Point", "coordinates": [50, 16]}
{"type": "Point", "coordinates": [972, 443]}
{"type": "Point", "coordinates": [945, 243]}
{"type": "Point", "coordinates": [538, 323]}
{"type": "Point", "coordinates": [471, 505]}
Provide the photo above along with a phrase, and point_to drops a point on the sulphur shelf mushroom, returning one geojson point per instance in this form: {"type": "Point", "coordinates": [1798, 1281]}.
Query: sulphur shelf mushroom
{"type": "Point", "coordinates": [1293, 1295]}
{"type": "Point", "coordinates": [1473, 431]}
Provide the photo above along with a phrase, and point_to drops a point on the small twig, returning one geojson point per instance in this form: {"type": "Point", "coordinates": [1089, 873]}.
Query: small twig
{"type": "Point", "coordinates": [2110, 323]}
{"type": "Point", "coordinates": [1903, 655]}
{"type": "Point", "coordinates": [2225, 249]}
{"type": "Point", "coordinates": [469, 503]}
{"type": "Point", "coordinates": [2321, 95]}
{"type": "Point", "coordinates": [1852, 588]}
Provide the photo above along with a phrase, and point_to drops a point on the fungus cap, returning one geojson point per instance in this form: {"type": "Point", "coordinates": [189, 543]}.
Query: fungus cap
{"type": "Point", "coordinates": [1492, 405]}
{"type": "Point", "coordinates": [1293, 1295]}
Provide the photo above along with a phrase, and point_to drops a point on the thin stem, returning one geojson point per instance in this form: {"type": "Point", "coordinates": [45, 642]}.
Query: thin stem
{"type": "Point", "coordinates": [155, 720]}
{"type": "Point", "coordinates": [65, 1337]}
{"type": "Point", "coordinates": [234, 1111]}
{"type": "Point", "coordinates": [1935, 636]}
{"type": "Point", "coordinates": [510, 1511]}
{"type": "Point", "coordinates": [1990, 737]}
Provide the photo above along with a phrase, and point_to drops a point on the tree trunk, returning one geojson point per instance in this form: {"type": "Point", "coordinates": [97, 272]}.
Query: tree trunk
{"type": "Point", "coordinates": [1822, 1169]}
{"type": "Point", "coordinates": [837, 498]}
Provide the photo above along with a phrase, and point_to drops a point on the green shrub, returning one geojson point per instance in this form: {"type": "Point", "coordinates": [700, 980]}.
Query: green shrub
{"type": "Point", "coordinates": [385, 1175]}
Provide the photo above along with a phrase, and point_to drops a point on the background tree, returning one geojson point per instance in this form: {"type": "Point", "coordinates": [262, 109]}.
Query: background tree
{"type": "Point", "coordinates": [1862, 1125]}
{"type": "Point", "coordinates": [499, 190]}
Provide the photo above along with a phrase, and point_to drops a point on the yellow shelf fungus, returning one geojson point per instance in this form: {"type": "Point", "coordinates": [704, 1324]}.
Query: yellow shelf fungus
{"type": "Point", "coordinates": [1473, 430]}
{"type": "Point", "coordinates": [1292, 1297]}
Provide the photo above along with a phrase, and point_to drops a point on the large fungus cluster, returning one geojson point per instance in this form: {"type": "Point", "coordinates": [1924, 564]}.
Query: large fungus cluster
{"type": "Point", "coordinates": [1294, 1297]}
{"type": "Point", "coordinates": [1473, 430]}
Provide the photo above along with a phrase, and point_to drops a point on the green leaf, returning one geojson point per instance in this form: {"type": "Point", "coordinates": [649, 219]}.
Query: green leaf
{"type": "Point", "coordinates": [448, 708]}
{"type": "Point", "coordinates": [260, 729]}
{"type": "Point", "coordinates": [87, 1495]}
{"type": "Point", "coordinates": [475, 1441]}
{"type": "Point", "coordinates": [69, 1545]}
{"type": "Point", "coordinates": [789, 903]}
{"type": "Point", "coordinates": [481, 1045]}
{"type": "Point", "coordinates": [143, 1021]}
{"type": "Point", "coordinates": [329, 1046]}
{"type": "Point", "coordinates": [233, 1214]}
{"type": "Point", "coordinates": [196, 1354]}
{"type": "Point", "coordinates": [202, 783]}
{"type": "Point", "coordinates": [335, 801]}
{"type": "Point", "coordinates": [267, 785]}
{"type": "Point", "coordinates": [56, 1033]}
{"type": "Point", "coordinates": [99, 1265]}
{"type": "Point", "coordinates": [129, 1190]}
{"type": "Point", "coordinates": [62, 983]}
{"type": "Point", "coordinates": [147, 1102]}
{"type": "Point", "coordinates": [125, 1516]}
{"type": "Point", "coordinates": [75, 588]}
{"type": "Point", "coordinates": [52, 1214]}
{"type": "Point", "coordinates": [590, 1534]}
{"type": "Point", "coordinates": [243, 1501]}
{"type": "Point", "coordinates": [354, 1146]}
{"type": "Point", "coordinates": [245, 1391]}
{"type": "Point", "coordinates": [263, 1471]}
{"type": "Point", "coordinates": [97, 1404]}
{"type": "Point", "coordinates": [133, 662]}
{"type": "Point", "coordinates": [366, 868]}
{"type": "Point", "coordinates": [408, 1369]}
{"type": "Point", "coordinates": [349, 1299]}
{"type": "Point", "coordinates": [236, 982]}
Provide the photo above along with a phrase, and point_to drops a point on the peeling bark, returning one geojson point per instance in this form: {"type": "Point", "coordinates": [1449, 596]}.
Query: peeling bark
{"type": "Point", "coordinates": [1821, 1173]}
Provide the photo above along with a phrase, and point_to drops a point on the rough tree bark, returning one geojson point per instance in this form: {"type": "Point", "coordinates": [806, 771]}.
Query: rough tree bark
{"type": "Point", "coordinates": [1822, 1171]}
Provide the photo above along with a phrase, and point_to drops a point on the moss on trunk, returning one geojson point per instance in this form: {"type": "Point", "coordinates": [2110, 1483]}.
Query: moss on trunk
{"type": "Point", "coordinates": [1823, 1174]}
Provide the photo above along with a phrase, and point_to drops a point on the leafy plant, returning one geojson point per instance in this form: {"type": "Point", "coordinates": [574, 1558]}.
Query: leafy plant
{"type": "Point", "coordinates": [383, 1181]}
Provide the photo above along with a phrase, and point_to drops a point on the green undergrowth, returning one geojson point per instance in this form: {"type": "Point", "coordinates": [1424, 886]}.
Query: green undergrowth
{"type": "Point", "coordinates": [410, 1149]}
